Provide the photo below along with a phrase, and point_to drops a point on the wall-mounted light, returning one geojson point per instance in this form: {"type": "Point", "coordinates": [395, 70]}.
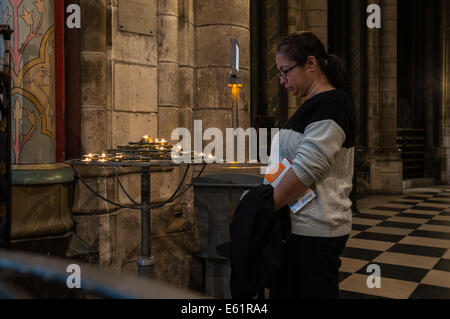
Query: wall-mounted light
{"type": "Point", "coordinates": [234, 81]}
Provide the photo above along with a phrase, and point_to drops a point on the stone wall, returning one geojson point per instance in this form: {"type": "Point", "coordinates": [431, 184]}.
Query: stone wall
{"type": "Point", "coordinates": [133, 85]}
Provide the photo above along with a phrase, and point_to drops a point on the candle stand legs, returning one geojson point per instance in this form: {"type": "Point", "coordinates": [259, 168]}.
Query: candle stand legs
{"type": "Point", "coordinates": [146, 263]}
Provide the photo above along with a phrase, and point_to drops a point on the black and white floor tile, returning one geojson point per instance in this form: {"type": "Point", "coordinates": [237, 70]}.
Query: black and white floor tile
{"type": "Point", "coordinates": [408, 237]}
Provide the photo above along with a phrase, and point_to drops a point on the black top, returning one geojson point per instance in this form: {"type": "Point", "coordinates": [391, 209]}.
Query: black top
{"type": "Point", "coordinates": [333, 105]}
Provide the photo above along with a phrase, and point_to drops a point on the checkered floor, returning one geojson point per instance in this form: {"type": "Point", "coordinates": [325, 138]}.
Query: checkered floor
{"type": "Point", "coordinates": [408, 236]}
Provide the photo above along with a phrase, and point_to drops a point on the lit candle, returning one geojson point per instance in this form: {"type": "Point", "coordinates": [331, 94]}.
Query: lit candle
{"type": "Point", "coordinates": [88, 158]}
{"type": "Point", "coordinates": [147, 139]}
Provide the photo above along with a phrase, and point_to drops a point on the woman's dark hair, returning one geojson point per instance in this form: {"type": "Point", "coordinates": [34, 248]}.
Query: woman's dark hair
{"type": "Point", "coordinates": [300, 45]}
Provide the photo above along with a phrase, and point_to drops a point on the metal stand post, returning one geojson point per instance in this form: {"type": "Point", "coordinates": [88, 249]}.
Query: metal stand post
{"type": "Point", "coordinates": [146, 263]}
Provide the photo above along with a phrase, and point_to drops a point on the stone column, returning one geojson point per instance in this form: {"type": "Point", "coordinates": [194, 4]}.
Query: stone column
{"type": "Point", "coordinates": [385, 162]}
{"type": "Point", "coordinates": [274, 93]}
{"type": "Point", "coordinates": [168, 98]}
{"type": "Point", "coordinates": [444, 132]}
{"type": "Point", "coordinates": [216, 23]}
{"type": "Point", "coordinates": [355, 72]}
{"type": "Point", "coordinates": [373, 56]}
{"type": "Point", "coordinates": [311, 16]}
{"type": "Point", "coordinates": [186, 67]}
{"type": "Point", "coordinates": [431, 160]}
{"type": "Point", "coordinates": [300, 15]}
{"type": "Point", "coordinates": [292, 26]}
{"type": "Point", "coordinates": [315, 13]}
{"type": "Point", "coordinates": [173, 239]}
{"type": "Point", "coordinates": [95, 116]}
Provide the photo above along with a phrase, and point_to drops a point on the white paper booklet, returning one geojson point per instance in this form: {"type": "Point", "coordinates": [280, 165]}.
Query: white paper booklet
{"type": "Point", "coordinates": [276, 175]}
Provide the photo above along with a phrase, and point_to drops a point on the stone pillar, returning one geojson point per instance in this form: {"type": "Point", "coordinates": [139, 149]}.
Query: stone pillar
{"type": "Point", "coordinates": [357, 79]}
{"type": "Point", "coordinates": [168, 98]}
{"type": "Point", "coordinates": [292, 16]}
{"type": "Point", "coordinates": [373, 55]}
{"type": "Point", "coordinates": [311, 15]}
{"type": "Point", "coordinates": [444, 132]}
{"type": "Point", "coordinates": [174, 243]}
{"type": "Point", "coordinates": [33, 80]}
{"type": "Point", "coordinates": [315, 13]}
{"type": "Point", "coordinates": [383, 155]}
{"type": "Point", "coordinates": [274, 93]}
{"type": "Point", "coordinates": [292, 26]}
{"type": "Point", "coordinates": [96, 121]}
{"type": "Point", "coordinates": [186, 67]}
{"type": "Point", "coordinates": [300, 15]}
{"type": "Point", "coordinates": [217, 22]}
{"type": "Point", "coordinates": [431, 162]}
{"type": "Point", "coordinates": [355, 71]}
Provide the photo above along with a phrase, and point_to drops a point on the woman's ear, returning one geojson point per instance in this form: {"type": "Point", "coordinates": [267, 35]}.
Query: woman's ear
{"type": "Point", "coordinates": [311, 63]}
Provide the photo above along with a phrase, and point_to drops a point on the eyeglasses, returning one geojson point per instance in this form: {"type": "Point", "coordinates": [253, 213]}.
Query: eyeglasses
{"type": "Point", "coordinates": [284, 73]}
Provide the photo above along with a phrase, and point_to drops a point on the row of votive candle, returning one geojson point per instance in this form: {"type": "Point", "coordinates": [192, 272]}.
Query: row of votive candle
{"type": "Point", "coordinates": [177, 152]}
{"type": "Point", "coordinates": [148, 139]}
{"type": "Point", "coordinates": [100, 158]}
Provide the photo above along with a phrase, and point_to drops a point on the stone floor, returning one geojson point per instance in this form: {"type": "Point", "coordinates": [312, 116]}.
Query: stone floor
{"type": "Point", "coordinates": [408, 237]}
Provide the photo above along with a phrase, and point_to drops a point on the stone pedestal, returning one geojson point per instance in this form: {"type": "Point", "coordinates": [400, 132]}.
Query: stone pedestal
{"type": "Point", "coordinates": [41, 221]}
{"type": "Point", "coordinates": [386, 172]}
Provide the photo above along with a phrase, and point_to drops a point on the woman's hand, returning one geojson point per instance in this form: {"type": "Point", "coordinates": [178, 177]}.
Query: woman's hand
{"type": "Point", "coordinates": [288, 190]}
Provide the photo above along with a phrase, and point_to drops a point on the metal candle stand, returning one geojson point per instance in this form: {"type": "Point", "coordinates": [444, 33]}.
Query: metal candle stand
{"type": "Point", "coordinates": [146, 156]}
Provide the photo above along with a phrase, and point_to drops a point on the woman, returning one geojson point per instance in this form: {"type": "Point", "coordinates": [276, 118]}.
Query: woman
{"type": "Point", "coordinates": [318, 141]}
